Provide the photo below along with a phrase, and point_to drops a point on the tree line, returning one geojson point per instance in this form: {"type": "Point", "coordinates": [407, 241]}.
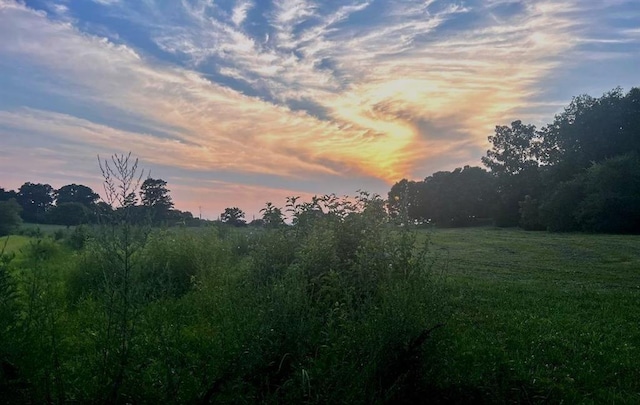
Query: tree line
{"type": "Point", "coordinates": [580, 172]}
{"type": "Point", "coordinates": [76, 204]}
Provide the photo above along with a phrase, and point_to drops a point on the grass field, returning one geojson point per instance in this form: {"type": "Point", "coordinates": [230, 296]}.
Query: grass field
{"type": "Point", "coordinates": [536, 317]}
{"type": "Point", "coordinates": [46, 229]}
{"type": "Point", "coordinates": [529, 317]}
{"type": "Point", "coordinates": [13, 244]}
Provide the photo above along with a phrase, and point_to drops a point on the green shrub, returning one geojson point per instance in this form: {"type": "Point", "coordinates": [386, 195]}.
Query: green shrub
{"type": "Point", "coordinates": [342, 300]}
{"type": "Point", "coordinates": [9, 216]}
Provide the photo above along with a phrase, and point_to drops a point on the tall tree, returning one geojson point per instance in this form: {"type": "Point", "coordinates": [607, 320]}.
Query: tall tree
{"type": "Point", "coordinates": [35, 200]}
{"type": "Point", "coordinates": [76, 193]}
{"type": "Point", "coordinates": [513, 159]}
{"type": "Point", "coordinates": [458, 198]}
{"type": "Point", "coordinates": [514, 149]}
{"type": "Point", "coordinates": [406, 201]}
{"type": "Point", "coordinates": [233, 216]}
{"type": "Point", "coordinates": [154, 195]}
{"type": "Point", "coordinates": [591, 130]}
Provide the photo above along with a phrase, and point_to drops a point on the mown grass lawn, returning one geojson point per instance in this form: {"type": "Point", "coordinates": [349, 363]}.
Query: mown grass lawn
{"type": "Point", "coordinates": [536, 317]}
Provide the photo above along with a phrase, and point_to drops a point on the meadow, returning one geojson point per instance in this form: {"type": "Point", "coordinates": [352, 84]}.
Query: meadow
{"type": "Point", "coordinates": [332, 310]}
{"type": "Point", "coordinates": [538, 317]}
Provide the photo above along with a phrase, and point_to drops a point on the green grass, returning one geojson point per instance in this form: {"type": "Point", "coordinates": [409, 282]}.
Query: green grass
{"type": "Point", "coordinates": [530, 317]}
{"type": "Point", "coordinates": [46, 229]}
{"type": "Point", "coordinates": [537, 317]}
{"type": "Point", "coordinates": [14, 244]}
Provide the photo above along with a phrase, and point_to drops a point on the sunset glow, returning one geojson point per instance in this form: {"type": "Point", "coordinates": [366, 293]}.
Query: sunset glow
{"type": "Point", "coordinates": [239, 102]}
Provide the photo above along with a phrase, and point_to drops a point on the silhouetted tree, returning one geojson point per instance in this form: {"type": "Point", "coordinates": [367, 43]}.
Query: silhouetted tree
{"type": "Point", "coordinates": [514, 149]}
{"type": "Point", "coordinates": [456, 198]}
{"type": "Point", "coordinates": [272, 216]}
{"type": "Point", "coordinates": [154, 194]}
{"type": "Point", "coordinates": [592, 129]}
{"type": "Point", "coordinates": [6, 195]}
{"type": "Point", "coordinates": [405, 201]}
{"type": "Point", "coordinates": [35, 200]}
{"type": "Point", "coordinates": [233, 216]}
{"type": "Point", "coordinates": [513, 159]}
{"type": "Point", "coordinates": [76, 193]}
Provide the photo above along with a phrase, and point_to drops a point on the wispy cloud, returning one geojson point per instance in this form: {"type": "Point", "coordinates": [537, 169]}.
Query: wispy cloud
{"type": "Point", "coordinates": [240, 10]}
{"type": "Point", "coordinates": [301, 88]}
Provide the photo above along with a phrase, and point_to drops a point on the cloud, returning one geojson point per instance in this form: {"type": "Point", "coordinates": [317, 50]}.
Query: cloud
{"type": "Point", "coordinates": [240, 10]}
{"type": "Point", "coordinates": [378, 89]}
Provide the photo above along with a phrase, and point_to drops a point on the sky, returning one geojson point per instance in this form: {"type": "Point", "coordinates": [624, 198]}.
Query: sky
{"type": "Point", "coordinates": [240, 102]}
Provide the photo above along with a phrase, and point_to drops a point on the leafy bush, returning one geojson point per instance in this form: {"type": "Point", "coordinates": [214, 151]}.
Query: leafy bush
{"type": "Point", "coordinates": [343, 300]}
{"type": "Point", "coordinates": [612, 202]}
{"type": "Point", "coordinates": [558, 210]}
{"type": "Point", "coordinates": [530, 214]}
{"type": "Point", "coordinates": [9, 216]}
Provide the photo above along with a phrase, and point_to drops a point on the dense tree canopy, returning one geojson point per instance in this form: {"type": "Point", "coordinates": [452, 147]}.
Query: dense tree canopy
{"type": "Point", "coordinates": [76, 193]}
{"type": "Point", "coordinates": [577, 173]}
{"type": "Point", "coordinates": [593, 129]}
{"type": "Point", "coordinates": [6, 195]}
{"type": "Point", "coordinates": [514, 149]}
{"type": "Point", "coordinates": [35, 200]}
{"type": "Point", "coordinates": [154, 196]}
{"type": "Point", "coordinates": [69, 214]}
{"type": "Point", "coordinates": [455, 198]}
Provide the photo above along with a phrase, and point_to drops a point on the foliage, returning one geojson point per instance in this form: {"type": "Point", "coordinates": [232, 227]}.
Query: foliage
{"type": "Point", "coordinates": [233, 216]}
{"type": "Point", "coordinates": [593, 129]}
{"type": "Point", "coordinates": [530, 214]}
{"type": "Point", "coordinates": [8, 312]}
{"type": "Point", "coordinates": [334, 309]}
{"type": "Point", "coordinates": [558, 210]}
{"type": "Point", "coordinates": [9, 216]}
{"type": "Point", "coordinates": [589, 132]}
{"type": "Point", "coordinates": [272, 216]}
{"type": "Point", "coordinates": [612, 196]}
{"type": "Point", "coordinates": [7, 195]}
{"type": "Point", "coordinates": [76, 193]}
{"type": "Point", "coordinates": [35, 200]}
{"type": "Point", "coordinates": [69, 214]}
{"type": "Point", "coordinates": [154, 195]}
{"type": "Point", "coordinates": [514, 149]}
{"type": "Point", "coordinates": [456, 198]}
